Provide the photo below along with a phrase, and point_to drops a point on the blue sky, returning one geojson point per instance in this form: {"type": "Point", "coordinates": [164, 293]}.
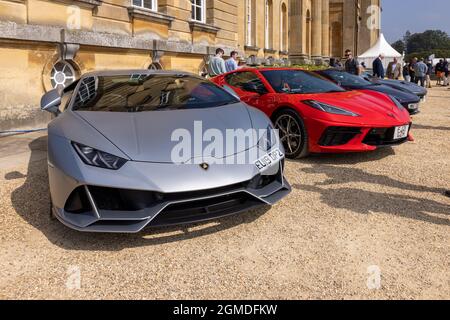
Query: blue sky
{"type": "Point", "coordinates": [414, 15]}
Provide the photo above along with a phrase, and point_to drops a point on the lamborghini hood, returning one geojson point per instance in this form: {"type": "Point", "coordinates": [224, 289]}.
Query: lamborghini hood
{"type": "Point", "coordinates": [151, 136]}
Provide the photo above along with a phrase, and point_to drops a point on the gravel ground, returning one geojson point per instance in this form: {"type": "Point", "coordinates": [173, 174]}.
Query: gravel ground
{"type": "Point", "coordinates": [348, 216]}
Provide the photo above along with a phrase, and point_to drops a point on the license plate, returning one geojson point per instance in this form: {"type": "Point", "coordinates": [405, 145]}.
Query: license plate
{"type": "Point", "coordinates": [269, 160]}
{"type": "Point", "coordinates": [401, 132]}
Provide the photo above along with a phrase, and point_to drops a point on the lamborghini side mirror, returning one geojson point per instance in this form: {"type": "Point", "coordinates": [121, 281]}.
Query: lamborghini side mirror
{"type": "Point", "coordinates": [51, 101]}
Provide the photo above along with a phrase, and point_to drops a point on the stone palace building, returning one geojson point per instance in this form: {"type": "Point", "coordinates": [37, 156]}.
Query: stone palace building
{"type": "Point", "coordinates": [48, 43]}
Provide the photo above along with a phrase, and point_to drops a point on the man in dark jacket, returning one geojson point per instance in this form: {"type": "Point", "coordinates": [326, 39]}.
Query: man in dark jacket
{"type": "Point", "coordinates": [377, 66]}
{"type": "Point", "coordinates": [351, 64]}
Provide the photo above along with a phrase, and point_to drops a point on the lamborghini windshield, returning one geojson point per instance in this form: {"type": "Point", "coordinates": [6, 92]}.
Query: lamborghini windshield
{"type": "Point", "coordinates": [299, 82]}
{"type": "Point", "coordinates": [137, 93]}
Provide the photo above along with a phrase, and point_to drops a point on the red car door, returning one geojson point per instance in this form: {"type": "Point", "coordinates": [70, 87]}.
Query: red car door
{"type": "Point", "coordinates": [264, 99]}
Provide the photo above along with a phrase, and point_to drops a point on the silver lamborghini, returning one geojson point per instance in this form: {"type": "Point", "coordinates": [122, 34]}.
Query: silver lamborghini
{"type": "Point", "coordinates": [136, 148]}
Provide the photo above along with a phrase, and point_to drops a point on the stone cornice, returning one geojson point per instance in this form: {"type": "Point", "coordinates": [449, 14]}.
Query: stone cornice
{"type": "Point", "coordinates": [91, 4]}
{"type": "Point", "coordinates": [51, 34]}
{"type": "Point", "coordinates": [251, 48]}
{"type": "Point", "coordinates": [270, 51]}
{"type": "Point", "coordinates": [203, 27]}
{"type": "Point", "coordinates": [147, 14]}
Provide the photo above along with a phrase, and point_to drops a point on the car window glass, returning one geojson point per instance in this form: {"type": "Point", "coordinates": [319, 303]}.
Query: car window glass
{"type": "Point", "coordinates": [347, 79]}
{"type": "Point", "coordinates": [240, 79]}
{"type": "Point", "coordinates": [299, 82]}
{"type": "Point", "coordinates": [148, 92]}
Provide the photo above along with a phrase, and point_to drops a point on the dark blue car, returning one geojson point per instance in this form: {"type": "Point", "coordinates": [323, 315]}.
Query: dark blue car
{"type": "Point", "coordinates": [349, 81]}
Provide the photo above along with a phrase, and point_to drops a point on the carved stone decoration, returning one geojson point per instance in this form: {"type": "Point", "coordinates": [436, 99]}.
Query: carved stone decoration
{"type": "Point", "coordinates": [68, 51]}
{"type": "Point", "coordinates": [150, 15]}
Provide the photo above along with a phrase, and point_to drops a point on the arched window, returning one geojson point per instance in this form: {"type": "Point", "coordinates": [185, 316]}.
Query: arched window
{"type": "Point", "coordinates": [284, 30]}
{"type": "Point", "coordinates": [268, 24]}
{"type": "Point", "coordinates": [199, 10]}
{"type": "Point", "coordinates": [62, 74]}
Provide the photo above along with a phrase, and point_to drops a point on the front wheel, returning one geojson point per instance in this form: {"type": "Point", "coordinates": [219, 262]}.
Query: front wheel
{"type": "Point", "coordinates": [293, 134]}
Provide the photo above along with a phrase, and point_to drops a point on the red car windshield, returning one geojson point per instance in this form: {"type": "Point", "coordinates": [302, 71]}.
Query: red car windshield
{"type": "Point", "coordinates": [299, 82]}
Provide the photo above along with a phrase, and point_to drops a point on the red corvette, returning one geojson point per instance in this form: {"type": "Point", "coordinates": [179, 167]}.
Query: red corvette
{"type": "Point", "coordinates": [314, 115]}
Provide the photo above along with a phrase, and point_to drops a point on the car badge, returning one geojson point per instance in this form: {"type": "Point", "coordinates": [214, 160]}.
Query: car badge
{"type": "Point", "coordinates": [204, 166]}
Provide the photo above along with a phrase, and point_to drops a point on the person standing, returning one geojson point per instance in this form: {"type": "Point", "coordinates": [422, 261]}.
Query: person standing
{"type": "Point", "coordinates": [420, 70]}
{"type": "Point", "coordinates": [439, 70]}
{"type": "Point", "coordinates": [216, 65]}
{"type": "Point", "coordinates": [377, 66]}
{"type": "Point", "coordinates": [406, 75]}
{"type": "Point", "coordinates": [232, 63]}
{"type": "Point", "coordinates": [412, 70]}
{"type": "Point", "coordinates": [351, 64]}
{"type": "Point", "coordinates": [429, 73]}
{"type": "Point", "coordinates": [446, 73]}
{"type": "Point", "coordinates": [394, 70]}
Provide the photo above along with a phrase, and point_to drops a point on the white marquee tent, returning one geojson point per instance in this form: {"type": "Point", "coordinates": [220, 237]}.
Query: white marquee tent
{"type": "Point", "coordinates": [381, 47]}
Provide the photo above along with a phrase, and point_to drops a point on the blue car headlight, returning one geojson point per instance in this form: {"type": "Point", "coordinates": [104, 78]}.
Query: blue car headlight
{"type": "Point", "coordinates": [97, 158]}
{"type": "Point", "coordinates": [329, 108]}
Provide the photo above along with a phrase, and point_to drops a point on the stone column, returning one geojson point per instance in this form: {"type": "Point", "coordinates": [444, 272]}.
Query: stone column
{"type": "Point", "coordinates": [326, 29]}
{"type": "Point", "coordinates": [296, 50]}
{"type": "Point", "coordinates": [316, 32]}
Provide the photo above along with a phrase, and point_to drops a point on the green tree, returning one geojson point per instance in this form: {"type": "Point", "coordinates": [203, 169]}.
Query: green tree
{"type": "Point", "coordinates": [399, 46]}
{"type": "Point", "coordinates": [428, 41]}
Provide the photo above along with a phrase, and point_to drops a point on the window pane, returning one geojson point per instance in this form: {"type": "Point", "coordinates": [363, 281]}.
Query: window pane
{"type": "Point", "coordinates": [199, 14]}
{"type": "Point", "coordinates": [148, 4]}
{"type": "Point", "coordinates": [137, 3]}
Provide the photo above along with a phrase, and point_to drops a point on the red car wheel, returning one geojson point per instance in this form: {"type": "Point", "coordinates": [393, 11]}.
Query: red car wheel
{"type": "Point", "coordinates": [292, 134]}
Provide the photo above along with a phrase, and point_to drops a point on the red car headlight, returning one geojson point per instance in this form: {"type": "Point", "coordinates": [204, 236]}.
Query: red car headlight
{"type": "Point", "coordinates": [329, 108]}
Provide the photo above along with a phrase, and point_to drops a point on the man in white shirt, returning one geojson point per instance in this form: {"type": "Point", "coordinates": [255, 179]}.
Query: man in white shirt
{"type": "Point", "coordinates": [216, 65]}
{"type": "Point", "coordinates": [232, 64]}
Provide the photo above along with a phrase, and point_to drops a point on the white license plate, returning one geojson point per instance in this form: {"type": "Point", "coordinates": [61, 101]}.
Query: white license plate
{"type": "Point", "coordinates": [269, 160]}
{"type": "Point", "coordinates": [401, 132]}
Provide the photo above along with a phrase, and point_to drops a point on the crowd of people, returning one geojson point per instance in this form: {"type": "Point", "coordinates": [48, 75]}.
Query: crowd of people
{"type": "Point", "coordinates": [417, 71]}
{"type": "Point", "coordinates": [217, 65]}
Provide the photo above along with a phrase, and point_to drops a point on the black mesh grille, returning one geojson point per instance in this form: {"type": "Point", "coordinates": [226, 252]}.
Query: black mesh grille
{"type": "Point", "coordinates": [337, 136]}
{"type": "Point", "coordinates": [205, 209]}
{"type": "Point", "coordinates": [382, 137]}
{"type": "Point", "coordinates": [78, 202]}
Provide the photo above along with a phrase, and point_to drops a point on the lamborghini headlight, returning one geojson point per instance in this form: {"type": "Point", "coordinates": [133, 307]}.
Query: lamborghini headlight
{"type": "Point", "coordinates": [329, 108]}
{"type": "Point", "coordinates": [97, 158]}
{"type": "Point", "coordinates": [397, 103]}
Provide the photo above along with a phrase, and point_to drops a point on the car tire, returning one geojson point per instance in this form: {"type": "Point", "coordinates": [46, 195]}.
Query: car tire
{"type": "Point", "coordinates": [290, 124]}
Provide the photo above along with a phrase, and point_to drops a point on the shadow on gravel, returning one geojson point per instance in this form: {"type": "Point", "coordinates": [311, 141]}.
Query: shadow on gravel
{"type": "Point", "coordinates": [340, 175]}
{"type": "Point", "coordinates": [348, 158]}
{"type": "Point", "coordinates": [419, 126]}
{"type": "Point", "coordinates": [32, 202]}
{"type": "Point", "coordinates": [365, 202]}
